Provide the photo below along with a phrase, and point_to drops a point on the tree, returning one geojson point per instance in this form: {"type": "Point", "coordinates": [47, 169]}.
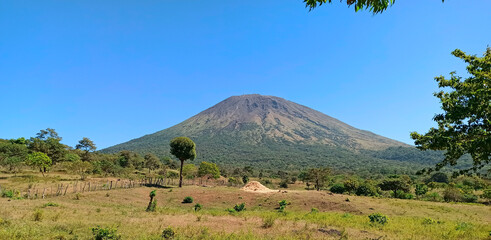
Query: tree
{"type": "Point", "coordinates": [211, 169]}
{"type": "Point", "coordinates": [81, 168]}
{"type": "Point", "coordinates": [48, 142]}
{"type": "Point", "coordinates": [465, 125]}
{"type": "Point", "coordinates": [189, 171]}
{"type": "Point", "coordinates": [439, 177]}
{"type": "Point", "coordinates": [319, 176]}
{"type": "Point", "coordinates": [152, 162]}
{"type": "Point", "coordinates": [183, 148]}
{"type": "Point", "coordinates": [39, 160]}
{"type": "Point", "coordinates": [86, 145]}
{"type": "Point", "coordinates": [12, 154]}
{"type": "Point", "coordinates": [394, 184]}
{"type": "Point", "coordinates": [375, 6]}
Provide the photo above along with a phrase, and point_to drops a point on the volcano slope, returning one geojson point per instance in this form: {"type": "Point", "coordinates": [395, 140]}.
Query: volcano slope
{"type": "Point", "coordinates": [273, 133]}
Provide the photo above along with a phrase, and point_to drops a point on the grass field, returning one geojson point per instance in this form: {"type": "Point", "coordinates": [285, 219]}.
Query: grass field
{"type": "Point", "coordinates": [339, 216]}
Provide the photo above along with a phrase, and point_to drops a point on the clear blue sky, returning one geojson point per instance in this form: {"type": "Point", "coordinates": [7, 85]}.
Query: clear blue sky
{"type": "Point", "coordinates": [116, 70]}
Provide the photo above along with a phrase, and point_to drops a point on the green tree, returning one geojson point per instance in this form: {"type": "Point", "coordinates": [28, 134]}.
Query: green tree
{"type": "Point", "coordinates": [375, 6]}
{"type": "Point", "coordinates": [152, 162]}
{"type": "Point", "coordinates": [81, 168]}
{"type": "Point", "coordinates": [189, 171]}
{"type": "Point", "coordinates": [319, 176]}
{"type": "Point", "coordinates": [211, 169]}
{"type": "Point", "coordinates": [87, 146]}
{"type": "Point", "coordinates": [39, 160]}
{"type": "Point", "coordinates": [49, 142]}
{"type": "Point", "coordinates": [12, 154]}
{"type": "Point", "coordinates": [394, 184]}
{"type": "Point", "coordinates": [183, 148]}
{"type": "Point", "coordinates": [465, 125]}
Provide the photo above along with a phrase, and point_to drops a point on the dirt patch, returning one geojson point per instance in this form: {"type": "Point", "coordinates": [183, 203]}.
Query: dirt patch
{"type": "Point", "coordinates": [255, 186]}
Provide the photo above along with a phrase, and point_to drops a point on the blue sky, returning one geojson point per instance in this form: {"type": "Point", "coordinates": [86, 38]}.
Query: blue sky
{"type": "Point", "coordinates": [116, 70]}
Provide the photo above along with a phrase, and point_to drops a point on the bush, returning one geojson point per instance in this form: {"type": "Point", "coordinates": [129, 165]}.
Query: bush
{"type": "Point", "coordinates": [245, 179]}
{"type": "Point", "coordinates": [197, 207]}
{"type": "Point", "coordinates": [439, 178]}
{"type": "Point", "coordinates": [284, 183]}
{"type": "Point", "coordinates": [38, 215]}
{"type": "Point", "coordinates": [378, 218]}
{"type": "Point", "coordinates": [188, 200]}
{"type": "Point", "coordinates": [434, 197]}
{"type": "Point", "coordinates": [402, 195]}
{"type": "Point", "coordinates": [50, 204]}
{"type": "Point", "coordinates": [8, 193]}
{"type": "Point", "coordinates": [268, 221]}
{"type": "Point", "coordinates": [366, 189]}
{"type": "Point", "coordinates": [105, 233]}
{"type": "Point", "coordinates": [338, 188]}
{"type": "Point", "coordinates": [486, 193]}
{"type": "Point", "coordinates": [314, 210]}
{"type": "Point", "coordinates": [282, 204]}
{"type": "Point", "coordinates": [452, 194]}
{"type": "Point", "coordinates": [168, 233]}
{"type": "Point", "coordinates": [421, 189]}
{"type": "Point", "coordinates": [240, 207]}
{"type": "Point", "coordinates": [470, 198]}
{"type": "Point", "coordinates": [350, 185]}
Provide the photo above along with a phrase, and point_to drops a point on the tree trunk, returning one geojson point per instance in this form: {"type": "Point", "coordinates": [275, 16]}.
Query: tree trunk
{"type": "Point", "coordinates": [180, 174]}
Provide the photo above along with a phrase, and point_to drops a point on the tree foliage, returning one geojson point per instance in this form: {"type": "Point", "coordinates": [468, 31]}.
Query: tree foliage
{"type": "Point", "coordinates": [152, 162]}
{"type": "Point", "coordinates": [319, 176]}
{"type": "Point", "coordinates": [374, 6]}
{"type": "Point", "coordinates": [87, 146]}
{"type": "Point", "coordinates": [208, 169]}
{"type": "Point", "coordinates": [39, 160]}
{"type": "Point", "coordinates": [183, 148]}
{"type": "Point", "coordinates": [465, 125]}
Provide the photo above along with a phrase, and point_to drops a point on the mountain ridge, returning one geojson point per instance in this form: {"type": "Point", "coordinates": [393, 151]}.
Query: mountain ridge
{"type": "Point", "coordinates": [252, 128]}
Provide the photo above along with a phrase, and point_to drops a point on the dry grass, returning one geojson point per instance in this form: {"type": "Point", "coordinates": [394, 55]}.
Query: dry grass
{"type": "Point", "coordinates": [125, 210]}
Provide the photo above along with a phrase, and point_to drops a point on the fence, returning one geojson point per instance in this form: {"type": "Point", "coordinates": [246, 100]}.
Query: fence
{"type": "Point", "coordinates": [61, 189]}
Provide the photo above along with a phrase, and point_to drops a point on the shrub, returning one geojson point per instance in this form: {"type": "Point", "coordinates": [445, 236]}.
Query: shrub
{"type": "Point", "coordinates": [77, 196]}
{"type": "Point", "coordinates": [439, 178]}
{"type": "Point", "coordinates": [234, 181]}
{"type": "Point", "coordinates": [452, 194]}
{"type": "Point", "coordinates": [487, 193]}
{"type": "Point", "coordinates": [366, 189]}
{"type": "Point", "coordinates": [8, 193]}
{"type": "Point", "coordinates": [434, 197]}
{"type": "Point", "coordinates": [282, 204]}
{"type": "Point", "coordinates": [50, 204]}
{"type": "Point", "coordinates": [38, 215]}
{"type": "Point", "coordinates": [429, 221]}
{"type": "Point", "coordinates": [378, 218]}
{"type": "Point", "coordinates": [284, 183]}
{"type": "Point", "coordinates": [239, 207]}
{"type": "Point", "coordinates": [245, 179]}
{"type": "Point", "coordinates": [197, 207]}
{"type": "Point", "coordinates": [152, 205]}
{"type": "Point", "coordinates": [268, 221]}
{"type": "Point", "coordinates": [470, 198]}
{"type": "Point", "coordinates": [350, 185]}
{"type": "Point", "coordinates": [338, 188]}
{"type": "Point", "coordinates": [402, 195]}
{"type": "Point", "coordinates": [168, 233]}
{"type": "Point", "coordinates": [314, 210]}
{"type": "Point", "coordinates": [105, 233]}
{"type": "Point", "coordinates": [421, 189]}
{"type": "Point", "coordinates": [188, 200]}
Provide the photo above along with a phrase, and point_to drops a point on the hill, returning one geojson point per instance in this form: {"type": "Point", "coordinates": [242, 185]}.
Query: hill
{"type": "Point", "coordinates": [271, 132]}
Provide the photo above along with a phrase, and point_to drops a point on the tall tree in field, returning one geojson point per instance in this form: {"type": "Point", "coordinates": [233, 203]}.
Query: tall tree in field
{"type": "Point", "coordinates": [465, 125]}
{"type": "Point", "coordinates": [183, 148]}
{"type": "Point", "coordinates": [39, 160]}
{"type": "Point", "coordinates": [152, 162]}
{"type": "Point", "coordinates": [86, 145]}
{"type": "Point", "coordinates": [13, 153]}
{"type": "Point", "coordinates": [48, 142]}
{"type": "Point", "coordinates": [375, 6]}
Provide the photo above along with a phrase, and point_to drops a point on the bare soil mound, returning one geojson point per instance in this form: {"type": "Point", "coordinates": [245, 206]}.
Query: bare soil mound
{"type": "Point", "coordinates": [255, 186]}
